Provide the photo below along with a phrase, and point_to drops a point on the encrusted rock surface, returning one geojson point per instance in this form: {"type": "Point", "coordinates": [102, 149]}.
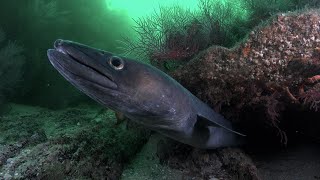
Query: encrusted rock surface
{"type": "Point", "coordinates": [275, 69]}
{"type": "Point", "coordinates": [225, 163]}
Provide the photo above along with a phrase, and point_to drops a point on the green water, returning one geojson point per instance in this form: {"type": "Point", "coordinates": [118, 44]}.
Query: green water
{"type": "Point", "coordinates": [35, 99]}
{"type": "Point", "coordinates": [33, 25]}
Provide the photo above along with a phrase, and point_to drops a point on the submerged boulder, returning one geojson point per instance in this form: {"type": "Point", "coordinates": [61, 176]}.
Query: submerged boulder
{"type": "Point", "coordinates": [269, 85]}
{"type": "Point", "coordinates": [273, 73]}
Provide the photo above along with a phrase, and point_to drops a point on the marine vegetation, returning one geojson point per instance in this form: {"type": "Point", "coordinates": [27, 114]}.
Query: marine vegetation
{"type": "Point", "coordinates": [172, 36]}
{"type": "Point", "coordinates": [11, 67]}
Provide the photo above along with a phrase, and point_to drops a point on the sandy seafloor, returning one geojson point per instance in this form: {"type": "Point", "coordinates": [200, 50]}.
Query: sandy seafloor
{"type": "Point", "coordinates": [301, 162]}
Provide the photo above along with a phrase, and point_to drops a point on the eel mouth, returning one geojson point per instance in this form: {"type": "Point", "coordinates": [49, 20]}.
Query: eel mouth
{"type": "Point", "coordinates": [75, 62]}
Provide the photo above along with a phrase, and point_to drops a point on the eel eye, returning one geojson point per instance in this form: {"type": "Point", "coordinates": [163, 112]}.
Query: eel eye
{"type": "Point", "coordinates": [116, 63]}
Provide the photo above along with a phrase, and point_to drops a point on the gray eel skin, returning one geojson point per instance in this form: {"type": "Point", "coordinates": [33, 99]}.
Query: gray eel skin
{"type": "Point", "coordinates": [144, 94]}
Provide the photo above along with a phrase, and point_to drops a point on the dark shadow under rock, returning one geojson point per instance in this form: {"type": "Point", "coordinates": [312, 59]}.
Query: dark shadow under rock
{"type": "Point", "coordinates": [301, 161]}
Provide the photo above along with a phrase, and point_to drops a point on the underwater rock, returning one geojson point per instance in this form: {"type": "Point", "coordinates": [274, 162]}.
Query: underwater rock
{"type": "Point", "coordinates": [10, 150]}
{"type": "Point", "coordinates": [76, 143]}
{"type": "Point", "coordinates": [164, 158]}
{"type": "Point", "coordinates": [275, 70]}
{"type": "Point", "coordinates": [226, 163]}
{"type": "Point", "coordinates": [238, 163]}
{"type": "Point", "coordinates": [146, 165]}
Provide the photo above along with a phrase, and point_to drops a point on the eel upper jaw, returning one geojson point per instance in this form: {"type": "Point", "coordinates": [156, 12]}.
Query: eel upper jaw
{"type": "Point", "coordinates": [72, 62]}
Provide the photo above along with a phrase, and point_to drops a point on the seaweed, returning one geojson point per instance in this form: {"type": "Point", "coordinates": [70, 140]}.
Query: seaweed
{"type": "Point", "coordinates": [175, 35]}
{"type": "Point", "coordinates": [311, 98]}
{"type": "Point", "coordinates": [163, 36]}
